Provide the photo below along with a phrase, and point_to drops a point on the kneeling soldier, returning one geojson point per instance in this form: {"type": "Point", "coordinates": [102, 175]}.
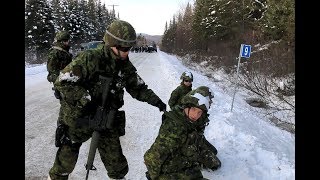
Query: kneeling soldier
{"type": "Point", "coordinates": [180, 150]}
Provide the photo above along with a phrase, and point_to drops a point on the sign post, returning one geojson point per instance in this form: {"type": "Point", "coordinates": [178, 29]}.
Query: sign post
{"type": "Point", "coordinates": [245, 51]}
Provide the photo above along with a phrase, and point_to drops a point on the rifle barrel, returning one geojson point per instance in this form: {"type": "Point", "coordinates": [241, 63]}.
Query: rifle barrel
{"type": "Point", "coordinates": [92, 151]}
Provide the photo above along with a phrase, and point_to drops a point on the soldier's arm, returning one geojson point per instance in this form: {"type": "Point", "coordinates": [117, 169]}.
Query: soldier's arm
{"type": "Point", "coordinates": [137, 88]}
{"type": "Point", "coordinates": [70, 80]}
{"type": "Point", "coordinates": [174, 98]}
{"type": "Point", "coordinates": [53, 66]}
{"type": "Point", "coordinates": [168, 141]}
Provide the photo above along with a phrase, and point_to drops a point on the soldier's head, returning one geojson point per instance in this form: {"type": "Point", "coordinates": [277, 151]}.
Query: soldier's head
{"type": "Point", "coordinates": [120, 36]}
{"type": "Point", "coordinates": [63, 38]}
{"type": "Point", "coordinates": [197, 102]}
{"type": "Point", "coordinates": [186, 78]}
{"type": "Point", "coordinates": [207, 90]}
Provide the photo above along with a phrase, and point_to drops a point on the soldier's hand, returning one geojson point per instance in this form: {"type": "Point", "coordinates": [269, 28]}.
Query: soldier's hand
{"type": "Point", "coordinates": [162, 106]}
{"type": "Point", "coordinates": [85, 99]}
{"type": "Point", "coordinates": [209, 160]}
{"type": "Point", "coordinates": [57, 94]}
{"type": "Point", "coordinates": [148, 175]}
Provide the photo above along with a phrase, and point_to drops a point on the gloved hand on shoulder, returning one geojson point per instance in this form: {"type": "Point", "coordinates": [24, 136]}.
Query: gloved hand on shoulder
{"type": "Point", "coordinates": [162, 106]}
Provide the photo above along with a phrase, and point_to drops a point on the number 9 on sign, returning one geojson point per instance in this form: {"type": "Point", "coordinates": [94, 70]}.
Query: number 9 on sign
{"type": "Point", "coordinates": [245, 50]}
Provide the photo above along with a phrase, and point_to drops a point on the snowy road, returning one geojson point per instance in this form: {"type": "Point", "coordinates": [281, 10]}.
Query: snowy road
{"type": "Point", "coordinates": [249, 147]}
{"type": "Point", "coordinates": [41, 110]}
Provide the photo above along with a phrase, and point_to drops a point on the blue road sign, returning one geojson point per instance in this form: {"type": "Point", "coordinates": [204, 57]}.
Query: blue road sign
{"type": "Point", "coordinates": [245, 50]}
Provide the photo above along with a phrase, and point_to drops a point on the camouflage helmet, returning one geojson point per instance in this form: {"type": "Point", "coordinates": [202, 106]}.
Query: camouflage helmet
{"type": "Point", "coordinates": [62, 35]}
{"type": "Point", "coordinates": [187, 76]}
{"type": "Point", "coordinates": [200, 98]}
{"type": "Point", "coordinates": [208, 91]}
{"type": "Point", "coordinates": [120, 33]}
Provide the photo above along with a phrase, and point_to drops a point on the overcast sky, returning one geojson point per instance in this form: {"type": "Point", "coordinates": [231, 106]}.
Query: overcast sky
{"type": "Point", "coordinates": [147, 16]}
{"type": "Point", "coordinates": [249, 146]}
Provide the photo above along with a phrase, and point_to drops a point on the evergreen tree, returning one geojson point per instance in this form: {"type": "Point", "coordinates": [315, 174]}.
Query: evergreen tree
{"type": "Point", "coordinates": [179, 38]}
{"type": "Point", "coordinates": [39, 29]}
{"type": "Point", "coordinates": [141, 40]}
{"type": "Point", "coordinates": [187, 28]}
{"type": "Point", "coordinates": [166, 27]}
{"type": "Point", "coordinates": [65, 14]}
{"type": "Point", "coordinates": [84, 19]}
{"type": "Point", "coordinates": [75, 22]}
{"type": "Point", "coordinates": [100, 21]}
{"type": "Point", "coordinates": [199, 24]}
{"type": "Point", "coordinates": [279, 20]}
{"type": "Point", "coordinates": [104, 19]}
{"type": "Point", "coordinates": [57, 14]}
{"type": "Point", "coordinates": [92, 20]}
{"type": "Point", "coordinates": [169, 37]}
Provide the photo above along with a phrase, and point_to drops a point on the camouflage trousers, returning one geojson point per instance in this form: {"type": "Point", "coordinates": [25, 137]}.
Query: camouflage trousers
{"type": "Point", "coordinates": [109, 148]}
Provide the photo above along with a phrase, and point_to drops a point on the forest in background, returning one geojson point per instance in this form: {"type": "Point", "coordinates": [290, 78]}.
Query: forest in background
{"type": "Point", "coordinates": [206, 32]}
{"type": "Point", "coordinates": [86, 20]}
{"type": "Point", "coordinates": [210, 33]}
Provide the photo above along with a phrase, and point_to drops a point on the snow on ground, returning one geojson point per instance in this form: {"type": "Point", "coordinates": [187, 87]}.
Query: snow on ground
{"type": "Point", "coordinates": [249, 147]}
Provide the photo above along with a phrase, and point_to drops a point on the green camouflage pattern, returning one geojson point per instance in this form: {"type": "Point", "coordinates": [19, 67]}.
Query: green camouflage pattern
{"type": "Point", "coordinates": [186, 76]}
{"type": "Point", "coordinates": [58, 58]}
{"type": "Point", "coordinates": [179, 149]}
{"type": "Point", "coordinates": [177, 94]}
{"type": "Point", "coordinates": [207, 90]}
{"type": "Point", "coordinates": [120, 29]}
{"type": "Point", "coordinates": [109, 148]}
{"type": "Point", "coordinates": [200, 97]}
{"type": "Point", "coordinates": [81, 92]}
{"type": "Point", "coordinates": [62, 36]}
{"type": "Point", "coordinates": [79, 83]}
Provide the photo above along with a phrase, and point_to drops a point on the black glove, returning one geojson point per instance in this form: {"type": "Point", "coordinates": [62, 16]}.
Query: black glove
{"type": "Point", "coordinates": [148, 175]}
{"type": "Point", "coordinates": [162, 106]}
{"type": "Point", "coordinates": [56, 93]}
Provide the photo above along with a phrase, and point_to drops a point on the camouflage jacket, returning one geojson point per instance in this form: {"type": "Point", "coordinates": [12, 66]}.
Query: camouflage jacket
{"type": "Point", "coordinates": [81, 88]}
{"type": "Point", "coordinates": [58, 58]}
{"type": "Point", "coordinates": [177, 95]}
{"type": "Point", "coordinates": [178, 146]}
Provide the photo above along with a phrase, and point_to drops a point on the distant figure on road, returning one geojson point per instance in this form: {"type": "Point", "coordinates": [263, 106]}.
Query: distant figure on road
{"type": "Point", "coordinates": [180, 150]}
{"type": "Point", "coordinates": [184, 87]}
{"type": "Point", "coordinates": [85, 89]}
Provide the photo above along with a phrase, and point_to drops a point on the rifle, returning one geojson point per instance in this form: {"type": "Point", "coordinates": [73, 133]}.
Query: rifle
{"type": "Point", "coordinates": [102, 120]}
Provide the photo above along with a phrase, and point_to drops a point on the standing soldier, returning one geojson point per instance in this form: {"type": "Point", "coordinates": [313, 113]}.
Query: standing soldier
{"type": "Point", "coordinates": [83, 84]}
{"type": "Point", "coordinates": [184, 87]}
{"type": "Point", "coordinates": [180, 150]}
{"type": "Point", "coordinates": [58, 57]}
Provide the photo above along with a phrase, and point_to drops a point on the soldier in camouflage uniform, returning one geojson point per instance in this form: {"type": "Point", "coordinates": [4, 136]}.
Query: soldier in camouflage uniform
{"type": "Point", "coordinates": [80, 84]}
{"type": "Point", "coordinates": [59, 55]}
{"type": "Point", "coordinates": [180, 150]}
{"type": "Point", "coordinates": [184, 87]}
{"type": "Point", "coordinates": [58, 58]}
{"type": "Point", "coordinates": [182, 90]}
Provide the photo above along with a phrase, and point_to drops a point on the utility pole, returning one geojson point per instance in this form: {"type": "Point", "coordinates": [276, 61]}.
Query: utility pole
{"type": "Point", "coordinates": [113, 5]}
